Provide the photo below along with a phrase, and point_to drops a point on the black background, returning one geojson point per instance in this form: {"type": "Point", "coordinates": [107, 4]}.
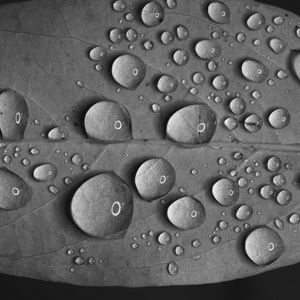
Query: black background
{"type": "Point", "coordinates": [279, 284]}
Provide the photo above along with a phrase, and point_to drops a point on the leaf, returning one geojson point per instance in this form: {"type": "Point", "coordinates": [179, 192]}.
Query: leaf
{"type": "Point", "coordinates": [58, 57]}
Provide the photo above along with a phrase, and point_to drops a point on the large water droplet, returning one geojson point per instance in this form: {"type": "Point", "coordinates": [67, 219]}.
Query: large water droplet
{"type": "Point", "coordinates": [226, 191]}
{"type": "Point", "coordinates": [116, 35]}
{"type": "Point", "coordinates": [164, 238]}
{"type": "Point", "coordinates": [220, 82]}
{"type": "Point", "coordinates": [256, 21]}
{"type": "Point", "coordinates": [237, 106]}
{"type": "Point", "coordinates": [284, 197]}
{"type": "Point", "coordinates": [208, 49]}
{"type": "Point", "coordinates": [186, 213]}
{"type": "Point", "coordinates": [15, 193]}
{"type": "Point", "coordinates": [264, 245]}
{"type": "Point", "coordinates": [194, 124]}
{"type": "Point", "coordinates": [167, 84]}
{"type": "Point", "coordinates": [279, 118]}
{"type": "Point", "coordinates": [108, 121]}
{"type": "Point", "coordinates": [219, 12]}
{"type": "Point", "coordinates": [154, 178]}
{"type": "Point", "coordinates": [277, 45]}
{"type": "Point", "coordinates": [102, 206]}
{"type": "Point", "coordinates": [273, 164]}
{"type": "Point", "coordinates": [267, 191]}
{"type": "Point", "coordinates": [253, 70]}
{"type": "Point", "coordinates": [45, 172]}
{"type": "Point", "coordinates": [128, 70]}
{"type": "Point", "coordinates": [152, 14]}
{"type": "Point", "coordinates": [13, 115]}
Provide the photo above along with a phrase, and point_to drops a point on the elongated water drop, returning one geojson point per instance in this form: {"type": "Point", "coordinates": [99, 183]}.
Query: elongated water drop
{"type": "Point", "coordinates": [57, 133]}
{"type": "Point", "coordinates": [193, 124]}
{"type": "Point", "coordinates": [226, 191]}
{"type": "Point", "coordinates": [15, 192]}
{"type": "Point", "coordinates": [253, 123]}
{"type": "Point", "coordinates": [172, 268]}
{"type": "Point", "coordinates": [264, 245]}
{"type": "Point", "coordinates": [154, 178]}
{"type": "Point", "coordinates": [97, 53]}
{"type": "Point", "coordinates": [45, 172]}
{"type": "Point", "coordinates": [152, 14]}
{"type": "Point", "coordinates": [208, 49]}
{"type": "Point", "coordinates": [186, 213]}
{"type": "Point", "coordinates": [253, 70]}
{"type": "Point", "coordinates": [244, 212]}
{"type": "Point", "coordinates": [128, 70]}
{"type": "Point", "coordinates": [102, 206]}
{"type": "Point", "coordinates": [13, 115]}
{"type": "Point", "coordinates": [182, 32]}
{"type": "Point", "coordinates": [108, 121]}
{"type": "Point", "coordinates": [219, 12]}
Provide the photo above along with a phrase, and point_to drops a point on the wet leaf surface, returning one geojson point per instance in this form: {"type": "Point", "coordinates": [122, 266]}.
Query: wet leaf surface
{"type": "Point", "coordinates": [80, 100]}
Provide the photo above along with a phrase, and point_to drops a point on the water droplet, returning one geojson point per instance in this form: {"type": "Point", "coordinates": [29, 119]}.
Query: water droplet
{"type": "Point", "coordinates": [131, 35]}
{"type": "Point", "coordinates": [278, 20]}
{"type": "Point", "coordinates": [254, 70]}
{"type": "Point", "coordinates": [264, 245]}
{"type": "Point", "coordinates": [198, 78]}
{"type": "Point", "coordinates": [119, 6]}
{"type": "Point", "coordinates": [267, 191]}
{"type": "Point", "coordinates": [79, 260]}
{"type": "Point", "coordinates": [279, 118]}
{"type": "Point", "coordinates": [45, 172]}
{"type": "Point", "coordinates": [108, 121]}
{"type": "Point", "coordinates": [256, 21]}
{"type": "Point", "coordinates": [216, 239]}
{"type": "Point", "coordinates": [237, 106]}
{"type": "Point", "coordinates": [279, 223]}
{"type": "Point", "coordinates": [223, 225]}
{"type": "Point", "coordinates": [294, 218]}
{"type": "Point", "coordinates": [172, 268]}
{"type": "Point", "coordinates": [222, 161]}
{"type": "Point", "coordinates": [279, 180]}
{"type": "Point", "coordinates": [179, 250]}
{"type": "Point", "coordinates": [253, 123]}
{"type": "Point", "coordinates": [116, 35]}
{"type": "Point", "coordinates": [242, 182]}
{"type": "Point", "coordinates": [273, 164]}
{"type": "Point", "coordinates": [196, 243]}
{"type": "Point", "coordinates": [182, 32]}
{"type": "Point", "coordinates": [76, 159]}
{"type": "Point", "coordinates": [181, 57]}
{"type": "Point", "coordinates": [15, 193]}
{"type": "Point", "coordinates": [155, 107]}
{"type": "Point", "coordinates": [102, 206]}
{"type": "Point", "coordinates": [167, 84]}
{"type": "Point", "coordinates": [241, 37]}
{"type": "Point", "coordinates": [97, 53]}
{"type": "Point", "coordinates": [225, 191]}
{"type": "Point", "coordinates": [244, 212]}
{"type": "Point", "coordinates": [220, 82]}
{"type": "Point", "coordinates": [171, 3]}
{"type": "Point", "coordinates": [231, 123]}
{"type": "Point", "coordinates": [237, 156]}
{"type": "Point", "coordinates": [219, 12]}
{"type": "Point", "coordinates": [152, 14]}
{"type": "Point", "coordinates": [281, 74]}
{"type": "Point", "coordinates": [212, 66]}
{"type": "Point", "coordinates": [167, 38]}
{"type": "Point", "coordinates": [295, 63]}
{"type": "Point", "coordinates": [186, 213]}
{"type": "Point", "coordinates": [277, 45]}
{"type": "Point", "coordinates": [34, 151]}
{"type": "Point", "coordinates": [57, 133]}
{"type": "Point", "coordinates": [128, 70]}
{"type": "Point", "coordinates": [70, 251]}
{"type": "Point", "coordinates": [148, 45]}
{"type": "Point", "coordinates": [154, 178]}
{"type": "Point", "coordinates": [13, 115]}
{"type": "Point", "coordinates": [284, 197]}
{"type": "Point", "coordinates": [164, 238]}
{"type": "Point", "coordinates": [208, 49]}
{"type": "Point", "coordinates": [194, 124]}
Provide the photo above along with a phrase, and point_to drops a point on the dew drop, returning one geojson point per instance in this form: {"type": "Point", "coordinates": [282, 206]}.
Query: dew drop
{"type": "Point", "coordinates": [194, 124]}
{"type": "Point", "coordinates": [171, 3]}
{"type": "Point", "coordinates": [254, 70]}
{"type": "Point", "coordinates": [220, 82]}
{"type": "Point", "coordinates": [119, 6]}
{"type": "Point", "coordinates": [172, 268]}
{"type": "Point", "coordinates": [267, 191]}
{"type": "Point", "coordinates": [277, 45]}
{"type": "Point", "coordinates": [244, 212]}
{"type": "Point", "coordinates": [196, 243]}
{"type": "Point", "coordinates": [97, 53]}
{"type": "Point", "coordinates": [167, 38]}
{"type": "Point", "coordinates": [45, 172]}
{"type": "Point", "coordinates": [230, 123]}
{"type": "Point", "coordinates": [208, 49]}
{"type": "Point", "coordinates": [167, 84]}
{"type": "Point", "coordinates": [295, 63]}
{"type": "Point", "coordinates": [273, 164]}
{"type": "Point", "coordinates": [182, 32]}
{"type": "Point", "coordinates": [148, 45]}
{"type": "Point", "coordinates": [253, 123]}
{"type": "Point", "coordinates": [179, 250]}
{"type": "Point", "coordinates": [57, 133]}
{"type": "Point", "coordinates": [76, 159]}
{"type": "Point", "coordinates": [279, 180]}
{"type": "Point", "coordinates": [284, 197]}
{"type": "Point", "coordinates": [294, 218]}
{"type": "Point", "coordinates": [279, 223]}
{"type": "Point", "coordinates": [279, 118]}
{"type": "Point", "coordinates": [154, 178]}
{"type": "Point", "coordinates": [225, 191]}
{"type": "Point", "coordinates": [264, 245]}
{"type": "Point", "coordinates": [186, 213]}
{"type": "Point", "coordinates": [181, 57]}
{"type": "Point", "coordinates": [155, 107]}
{"type": "Point", "coordinates": [152, 14]}
{"type": "Point", "coordinates": [198, 78]}
{"type": "Point", "coordinates": [116, 35]}
{"type": "Point", "coordinates": [164, 238]}
{"type": "Point", "coordinates": [108, 121]}
{"type": "Point", "coordinates": [256, 21]}
{"type": "Point", "coordinates": [237, 106]}
{"type": "Point", "coordinates": [131, 35]}
{"type": "Point", "coordinates": [219, 12]}
{"type": "Point", "coordinates": [128, 70]}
